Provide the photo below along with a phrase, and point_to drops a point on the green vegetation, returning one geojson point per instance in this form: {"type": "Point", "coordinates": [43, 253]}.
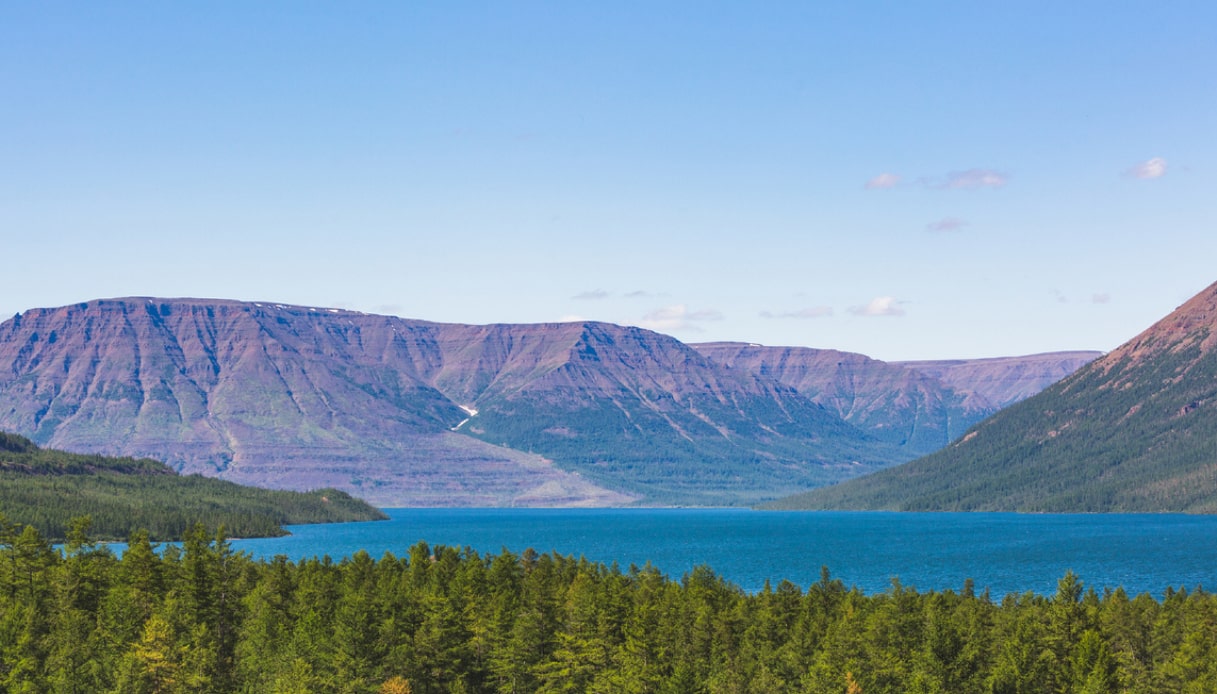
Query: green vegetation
{"type": "Point", "coordinates": [652, 447]}
{"type": "Point", "coordinates": [46, 488]}
{"type": "Point", "coordinates": [1127, 434]}
{"type": "Point", "coordinates": [202, 618]}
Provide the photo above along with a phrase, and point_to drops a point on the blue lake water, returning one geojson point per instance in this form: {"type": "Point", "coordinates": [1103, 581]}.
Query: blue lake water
{"type": "Point", "coordinates": [1005, 552]}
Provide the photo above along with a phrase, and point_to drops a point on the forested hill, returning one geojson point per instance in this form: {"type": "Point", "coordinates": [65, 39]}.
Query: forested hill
{"type": "Point", "coordinates": [1134, 431]}
{"type": "Point", "coordinates": [47, 488]}
{"type": "Point", "coordinates": [206, 619]}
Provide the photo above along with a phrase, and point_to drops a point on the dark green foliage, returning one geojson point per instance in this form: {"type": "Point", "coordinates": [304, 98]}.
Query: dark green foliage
{"type": "Point", "coordinates": [46, 488]}
{"type": "Point", "coordinates": [1128, 433]}
{"type": "Point", "coordinates": [201, 618]}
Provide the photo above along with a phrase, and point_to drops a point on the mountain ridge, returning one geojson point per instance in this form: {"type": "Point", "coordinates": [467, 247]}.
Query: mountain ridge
{"type": "Point", "coordinates": [917, 406]}
{"type": "Point", "coordinates": [411, 412]}
{"type": "Point", "coordinates": [283, 395]}
{"type": "Point", "coordinates": [1135, 430]}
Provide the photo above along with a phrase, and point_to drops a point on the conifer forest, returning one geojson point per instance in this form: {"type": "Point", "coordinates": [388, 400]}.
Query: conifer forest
{"type": "Point", "coordinates": [201, 617]}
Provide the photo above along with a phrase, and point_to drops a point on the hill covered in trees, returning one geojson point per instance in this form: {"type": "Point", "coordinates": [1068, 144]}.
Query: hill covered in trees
{"type": "Point", "coordinates": [47, 488]}
{"type": "Point", "coordinates": [205, 619]}
{"type": "Point", "coordinates": [1135, 431]}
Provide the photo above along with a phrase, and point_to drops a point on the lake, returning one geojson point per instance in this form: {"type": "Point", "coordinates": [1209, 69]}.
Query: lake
{"type": "Point", "coordinates": [1005, 552]}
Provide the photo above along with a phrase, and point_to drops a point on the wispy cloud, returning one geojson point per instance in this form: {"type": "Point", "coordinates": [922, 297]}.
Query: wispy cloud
{"type": "Point", "coordinates": [1151, 168]}
{"type": "Point", "coordinates": [803, 313]}
{"type": "Point", "coordinates": [946, 224]}
{"type": "Point", "coordinates": [593, 295]}
{"type": "Point", "coordinates": [1103, 298]}
{"type": "Point", "coordinates": [883, 181]}
{"type": "Point", "coordinates": [879, 306]}
{"type": "Point", "coordinates": [974, 178]}
{"type": "Point", "coordinates": [679, 318]}
{"type": "Point", "coordinates": [639, 294]}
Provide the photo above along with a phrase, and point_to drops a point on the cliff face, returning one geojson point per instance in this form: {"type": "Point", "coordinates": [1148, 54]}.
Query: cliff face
{"type": "Point", "coordinates": [264, 394]}
{"type": "Point", "coordinates": [917, 406]}
{"type": "Point", "coordinates": [410, 412]}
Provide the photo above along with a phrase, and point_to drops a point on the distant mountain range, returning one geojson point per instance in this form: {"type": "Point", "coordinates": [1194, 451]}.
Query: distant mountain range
{"type": "Point", "coordinates": [918, 407]}
{"type": "Point", "coordinates": [1135, 430]}
{"type": "Point", "coordinates": [407, 412]}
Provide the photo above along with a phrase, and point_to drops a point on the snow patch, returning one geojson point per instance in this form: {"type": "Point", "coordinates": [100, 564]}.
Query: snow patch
{"type": "Point", "coordinates": [469, 411]}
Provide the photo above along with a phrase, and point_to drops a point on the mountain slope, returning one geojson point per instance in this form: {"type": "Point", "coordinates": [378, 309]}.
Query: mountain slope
{"type": "Point", "coordinates": [918, 406]}
{"type": "Point", "coordinates": [1135, 430]}
{"type": "Point", "coordinates": [262, 394]}
{"type": "Point", "coordinates": [644, 412]}
{"type": "Point", "coordinates": [405, 412]}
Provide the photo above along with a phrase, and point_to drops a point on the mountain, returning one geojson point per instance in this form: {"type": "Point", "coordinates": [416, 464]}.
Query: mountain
{"type": "Point", "coordinates": [1135, 431]}
{"type": "Point", "coordinates": [1000, 382]}
{"type": "Point", "coordinates": [406, 412]}
{"type": "Point", "coordinates": [917, 406]}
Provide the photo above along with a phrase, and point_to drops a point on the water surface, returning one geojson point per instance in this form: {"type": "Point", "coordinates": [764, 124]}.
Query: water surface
{"type": "Point", "coordinates": [1004, 552]}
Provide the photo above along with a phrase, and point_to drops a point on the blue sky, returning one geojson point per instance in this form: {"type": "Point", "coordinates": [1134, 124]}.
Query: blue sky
{"type": "Point", "coordinates": [905, 180]}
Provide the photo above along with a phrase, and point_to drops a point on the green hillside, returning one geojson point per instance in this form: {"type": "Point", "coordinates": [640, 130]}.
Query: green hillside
{"type": "Point", "coordinates": [47, 488]}
{"type": "Point", "coordinates": [1135, 431]}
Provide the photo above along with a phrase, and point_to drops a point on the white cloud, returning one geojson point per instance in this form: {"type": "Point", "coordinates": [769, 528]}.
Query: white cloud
{"type": "Point", "coordinates": [882, 181]}
{"type": "Point", "coordinates": [593, 295]}
{"type": "Point", "coordinates": [1152, 168]}
{"type": "Point", "coordinates": [879, 306]}
{"type": "Point", "coordinates": [1103, 298]}
{"type": "Point", "coordinates": [947, 224]}
{"type": "Point", "coordinates": [803, 313]}
{"type": "Point", "coordinates": [572, 319]}
{"type": "Point", "coordinates": [678, 317]}
{"type": "Point", "coordinates": [639, 294]}
{"type": "Point", "coordinates": [975, 178]}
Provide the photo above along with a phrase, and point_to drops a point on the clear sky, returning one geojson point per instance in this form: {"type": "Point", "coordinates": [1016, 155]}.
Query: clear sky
{"type": "Point", "coordinates": [907, 180]}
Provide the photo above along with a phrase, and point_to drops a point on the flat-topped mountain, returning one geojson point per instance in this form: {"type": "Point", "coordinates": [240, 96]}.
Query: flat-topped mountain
{"type": "Point", "coordinates": [916, 406]}
{"type": "Point", "coordinates": [263, 394]}
{"type": "Point", "coordinates": [409, 412]}
{"type": "Point", "coordinates": [1135, 430]}
{"type": "Point", "coordinates": [415, 413]}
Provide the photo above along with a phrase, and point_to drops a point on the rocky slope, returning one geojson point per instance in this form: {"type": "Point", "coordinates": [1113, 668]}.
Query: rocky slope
{"type": "Point", "coordinates": [917, 406]}
{"type": "Point", "coordinates": [271, 395]}
{"type": "Point", "coordinates": [410, 412]}
{"type": "Point", "coordinates": [1135, 430]}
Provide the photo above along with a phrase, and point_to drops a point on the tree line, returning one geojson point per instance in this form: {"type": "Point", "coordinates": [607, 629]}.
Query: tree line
{"type": "Point", "coordinates": [200, 617]}
{"type": "Point", "coordinates": [47, 488]}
